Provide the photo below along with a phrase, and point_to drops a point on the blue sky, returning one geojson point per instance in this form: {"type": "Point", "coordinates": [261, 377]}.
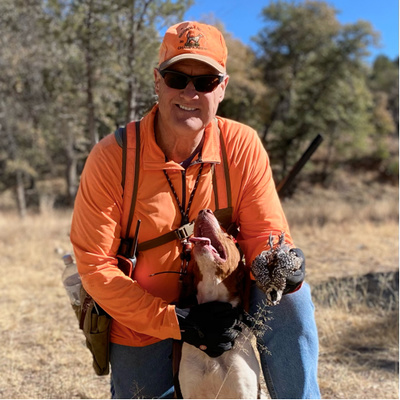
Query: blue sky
{"type": "Point", "coordinates": [242, 18]}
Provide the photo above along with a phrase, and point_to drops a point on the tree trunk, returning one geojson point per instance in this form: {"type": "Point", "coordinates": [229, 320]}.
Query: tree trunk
{"type": "Point", "coordinates": [135, 27]}
{"type": "Point", "coordinates": [130, 92]}
{"type": "Point", "coordinates": [20, 193]}
{"type": "Point", "coordinates": [71, 169]}
{"type": "Point", "coordinates": [91, 123]}
{"type": "Point", "coordinates": [19, 178]}
{"type": "Point", "coordinates": [327, 170]}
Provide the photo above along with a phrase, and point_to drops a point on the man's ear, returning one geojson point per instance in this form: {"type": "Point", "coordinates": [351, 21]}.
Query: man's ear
{"type": "Point", "coordinates": [224, 84]}
{"type": "Point", "coordinates": [157, 78]}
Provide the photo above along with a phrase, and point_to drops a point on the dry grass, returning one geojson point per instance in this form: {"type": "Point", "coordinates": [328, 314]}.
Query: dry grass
{"type": "Point", "coordinates": [345, 236]}
{"type": "Point", "coordinates": [43, 353]}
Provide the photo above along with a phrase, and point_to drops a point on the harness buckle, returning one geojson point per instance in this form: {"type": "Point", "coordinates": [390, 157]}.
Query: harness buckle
{"type": "Point", "coordinates": [184, 231]}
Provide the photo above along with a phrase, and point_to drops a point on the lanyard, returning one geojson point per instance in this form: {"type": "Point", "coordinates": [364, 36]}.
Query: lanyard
{"type": "Point", "coordinates": [184, 214]}
{"type": "Point", "coordinates": [186, 245]}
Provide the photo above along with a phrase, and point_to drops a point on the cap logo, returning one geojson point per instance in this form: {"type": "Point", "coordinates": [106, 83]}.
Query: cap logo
{"type": "Point", "coordinates": [193, 41]}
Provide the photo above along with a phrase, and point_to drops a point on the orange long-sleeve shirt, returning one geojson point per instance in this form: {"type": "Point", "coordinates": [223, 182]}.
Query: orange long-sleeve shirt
{"type": "Point", "coordinates": [141, 307]}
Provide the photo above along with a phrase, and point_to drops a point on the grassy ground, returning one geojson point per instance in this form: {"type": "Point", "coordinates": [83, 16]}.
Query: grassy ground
{"type": "Point", "coordinates": [344, 237]}
{"type": "Point", "coordinates": [347, 233]}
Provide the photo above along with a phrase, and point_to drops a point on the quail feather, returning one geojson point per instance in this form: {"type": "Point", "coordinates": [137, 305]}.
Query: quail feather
{"type": "Point", "coordinates": [271, 269]}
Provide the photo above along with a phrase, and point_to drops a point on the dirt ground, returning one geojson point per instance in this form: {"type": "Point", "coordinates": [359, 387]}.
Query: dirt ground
{"type": "Point", "coordinates": [344, 236]}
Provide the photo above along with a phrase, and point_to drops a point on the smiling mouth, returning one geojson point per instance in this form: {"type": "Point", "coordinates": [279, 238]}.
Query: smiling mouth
{"type": "Point", "coordinates": [186, 108]}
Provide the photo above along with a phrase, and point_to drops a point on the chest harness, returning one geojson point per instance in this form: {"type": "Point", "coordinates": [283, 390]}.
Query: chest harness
{"type": "Point", "coordinates": [129, 245]}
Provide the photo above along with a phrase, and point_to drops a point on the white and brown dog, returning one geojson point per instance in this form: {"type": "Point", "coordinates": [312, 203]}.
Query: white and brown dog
{"type": "Point", "coordinates": [218, 276]}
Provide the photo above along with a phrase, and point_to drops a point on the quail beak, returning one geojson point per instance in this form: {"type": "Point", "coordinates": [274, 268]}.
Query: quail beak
{"type": "Point", "coordinates": [273, 296]}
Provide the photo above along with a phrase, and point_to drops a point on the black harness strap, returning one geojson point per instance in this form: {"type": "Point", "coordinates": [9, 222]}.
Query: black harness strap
{"type": "Point", "coordinates": [224, 215]}
{"type": "Point", "coordinates": [127, 242]}
{"type": "Point", "coordinates": [181, 233]}
{"type": "Point", "coordinates": [136, 179]}
{"type": "Point", "coordinates": [122, 133]}
{"type": "Point", "coordinates": [226, 169]}
{"type": "Point", "coordinates": [215, 186]}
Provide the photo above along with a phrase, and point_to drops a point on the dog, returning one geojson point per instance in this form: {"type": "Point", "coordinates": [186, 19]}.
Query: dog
{"type": "Point", "coordinates": [218, 275]}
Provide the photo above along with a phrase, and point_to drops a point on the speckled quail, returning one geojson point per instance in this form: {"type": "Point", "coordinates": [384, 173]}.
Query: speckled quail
{"type": "Point", "coordinates": [272, 268]}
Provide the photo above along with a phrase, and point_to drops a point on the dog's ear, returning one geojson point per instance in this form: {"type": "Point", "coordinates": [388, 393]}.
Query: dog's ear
{"type": "Point", "coordinates": [233, 254]}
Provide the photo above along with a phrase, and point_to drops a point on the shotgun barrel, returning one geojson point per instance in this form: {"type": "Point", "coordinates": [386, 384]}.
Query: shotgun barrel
{"type": "Point", "coordinates": [287, 181]}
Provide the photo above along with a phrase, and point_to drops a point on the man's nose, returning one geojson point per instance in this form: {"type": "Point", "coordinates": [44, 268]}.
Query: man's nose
{"type": "Point", "coordinates": [190, 90]}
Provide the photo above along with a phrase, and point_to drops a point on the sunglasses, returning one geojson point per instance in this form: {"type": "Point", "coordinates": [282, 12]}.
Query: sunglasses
{"type": "Point", "coordinates": [202, 83]}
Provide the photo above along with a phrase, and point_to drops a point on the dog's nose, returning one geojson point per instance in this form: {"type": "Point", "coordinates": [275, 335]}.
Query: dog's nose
{"type": "Point", "coordinates": [205, 211]}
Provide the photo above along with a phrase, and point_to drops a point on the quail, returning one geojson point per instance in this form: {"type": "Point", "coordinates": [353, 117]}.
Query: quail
{"type": "Point", "coordinates": [271, 269]}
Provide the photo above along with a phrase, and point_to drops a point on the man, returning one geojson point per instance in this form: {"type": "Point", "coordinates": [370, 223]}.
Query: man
{"type": "Point", "coordinates": [180, 152]}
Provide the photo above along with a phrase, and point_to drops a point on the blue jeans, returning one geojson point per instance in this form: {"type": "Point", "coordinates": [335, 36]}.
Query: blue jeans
{"type": "Point", "coordinates": [289, 364]}
{"type": "Point", "coordinates": [142, 372]}
{"type": "Point", "coordinates": [290, 360]}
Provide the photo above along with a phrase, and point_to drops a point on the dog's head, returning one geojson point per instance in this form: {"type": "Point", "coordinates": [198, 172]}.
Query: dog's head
{"type": "Point", "coordinates": [213, 250]}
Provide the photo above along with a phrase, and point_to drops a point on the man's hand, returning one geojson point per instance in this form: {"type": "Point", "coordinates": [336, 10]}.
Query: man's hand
{"type": "Point", "coordinates": [294, 281]}
{"type": "Point", "coordinates": [212, 327]}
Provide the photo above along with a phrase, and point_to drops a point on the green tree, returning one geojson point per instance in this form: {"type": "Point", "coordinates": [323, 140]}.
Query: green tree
{"type": "Point", "coordinates": [384, 84]}
{"type": "Point", "coordinates": [136, 25]}
{"type": "Point", "coordinates": [314, 69]}
{"type": "Point", "coordinates": [70, 77]}
{"type": "Point", "coordinates": [384, 79]}
{"type": "Point", "coordinates": [246, 89]}
{"type": "Point", "coordinates": [118, 44]}
{"type": "Point", "coordinates": [25, 58]}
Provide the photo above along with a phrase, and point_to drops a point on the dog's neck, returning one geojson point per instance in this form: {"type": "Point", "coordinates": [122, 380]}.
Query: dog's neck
{"type": "Point", "coordinates": [210, 288]}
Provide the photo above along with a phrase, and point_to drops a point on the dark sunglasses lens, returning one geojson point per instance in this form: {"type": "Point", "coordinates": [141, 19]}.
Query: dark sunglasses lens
{"type": "Point", "coordinates": [206, 83]}
{"type": "Point", "coordinates": [175, 81]}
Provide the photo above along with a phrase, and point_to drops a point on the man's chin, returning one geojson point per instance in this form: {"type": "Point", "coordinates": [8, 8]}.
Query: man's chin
{"type": "Point", "coordinates": [192, 124]}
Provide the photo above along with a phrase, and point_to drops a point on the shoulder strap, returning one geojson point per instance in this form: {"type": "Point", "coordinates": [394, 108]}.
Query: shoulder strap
{"type": "Point", "coordinates": [136, 179]}
{"type": "Point", "coordinates": [224, 215]}
{"type": "Point", "coordinates": [226, 170]}
{"type": "Point", "coordinates": [121, 137]}
{"type": "Point", "coordinates": [124, 151]}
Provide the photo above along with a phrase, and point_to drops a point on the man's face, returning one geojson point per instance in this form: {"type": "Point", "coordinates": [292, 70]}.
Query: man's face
{"type": "Point", "coordinates": [188, 110]}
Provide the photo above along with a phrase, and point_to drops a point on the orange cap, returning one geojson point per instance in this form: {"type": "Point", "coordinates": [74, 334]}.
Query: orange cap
{"type": "Point", "coordinates": [194, 41]}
